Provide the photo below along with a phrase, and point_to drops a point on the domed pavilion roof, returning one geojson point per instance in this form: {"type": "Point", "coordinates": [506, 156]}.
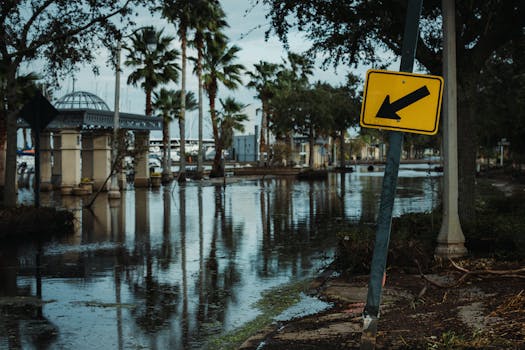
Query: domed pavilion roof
{"type": "Point", "coordinates": [81, 100]}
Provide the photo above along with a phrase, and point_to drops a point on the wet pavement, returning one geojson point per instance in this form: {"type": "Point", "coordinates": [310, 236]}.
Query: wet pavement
{"type": "Point", "coordinates": [175, 267]}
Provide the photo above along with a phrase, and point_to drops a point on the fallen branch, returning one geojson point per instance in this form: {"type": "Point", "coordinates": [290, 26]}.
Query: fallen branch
{"type": "Point", "coordinates": [489, 272]}
{"type": "Point", "coordinates": [514, 273]}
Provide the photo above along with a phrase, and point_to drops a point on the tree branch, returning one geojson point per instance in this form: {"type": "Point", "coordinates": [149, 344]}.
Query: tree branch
{"type": "Point", "coordinates": [515, 273]}
{"type": "Point", "coordinates": [27, 26]}
{"type": "Point", "coordinates": [45, 39]}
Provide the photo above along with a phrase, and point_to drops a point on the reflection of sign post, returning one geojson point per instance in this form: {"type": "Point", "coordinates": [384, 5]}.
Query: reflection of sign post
{"type": "Point", "coordinates": [38, 113]}
{"type": "Point", "coordinates": [402, 101]}
{"type": "Point", "coordinates": [501, 144]}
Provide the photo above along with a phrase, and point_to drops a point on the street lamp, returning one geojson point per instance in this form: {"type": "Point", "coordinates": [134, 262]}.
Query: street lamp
{"type": "Point", "coordinates": [149, 36]}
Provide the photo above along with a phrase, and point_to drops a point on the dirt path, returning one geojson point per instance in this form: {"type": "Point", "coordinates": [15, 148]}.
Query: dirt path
{"type": "Point", "coordinates": [480, 313]}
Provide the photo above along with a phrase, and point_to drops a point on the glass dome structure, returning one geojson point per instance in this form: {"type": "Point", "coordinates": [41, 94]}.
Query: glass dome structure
{"type": "Point", "coordinates": [81, 100]}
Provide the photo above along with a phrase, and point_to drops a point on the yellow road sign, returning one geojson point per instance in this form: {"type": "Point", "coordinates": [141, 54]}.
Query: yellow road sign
{"type": "Point", "coordinates": [402, 102]}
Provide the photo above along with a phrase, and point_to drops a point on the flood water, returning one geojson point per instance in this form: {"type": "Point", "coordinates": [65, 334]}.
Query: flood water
{"type": "Point", "coordinates": [171, 268]}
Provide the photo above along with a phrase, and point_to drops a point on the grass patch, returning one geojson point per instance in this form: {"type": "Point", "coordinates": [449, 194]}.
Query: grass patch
{"type": "Point", "coordinates": [272, 303]}
{"type": "Point", "coordinates": [499, 229]}
{"type": "Point", "coordinates": [412, 238]}
{"type": "Point", "coordinates": [477, 340]}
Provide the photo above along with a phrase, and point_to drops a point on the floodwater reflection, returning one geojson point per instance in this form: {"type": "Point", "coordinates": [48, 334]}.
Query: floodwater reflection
{"type": "Point", "coordinates": [168, 269]}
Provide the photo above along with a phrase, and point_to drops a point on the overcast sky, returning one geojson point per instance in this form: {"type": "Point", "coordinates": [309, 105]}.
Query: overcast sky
{"type": "Point", "coordinates": [246, 31]}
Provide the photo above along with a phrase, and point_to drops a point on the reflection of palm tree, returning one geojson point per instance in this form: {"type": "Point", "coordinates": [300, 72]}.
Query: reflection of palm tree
{"type": "Point", "coordinates": [219, 282]}
{"type": "Point", "coordinates": [266, 240]}
{"type": "Point", "coordinates": [182, 216]}
{"type": "Point", "coordinates": [159, 299]}
{"type": "Point", "coordinates": [369, 199]}
{"type": "Point", "coordinates": [200, 313]}
{"type": "Point", "coordinates": [165, 258]}
{"type": "Point", "coordinates": [212, 264]}
{"type": "Point", "coordinates": [342, 194]}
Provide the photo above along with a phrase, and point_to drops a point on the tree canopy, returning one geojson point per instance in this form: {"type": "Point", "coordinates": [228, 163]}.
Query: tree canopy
{"type": "Point", "coordinates": [59, 34]}
{"type": "Point", "coordinates": [360, 32]}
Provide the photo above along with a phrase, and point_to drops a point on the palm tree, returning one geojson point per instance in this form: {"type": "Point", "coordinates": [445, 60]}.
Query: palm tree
{"type": "Point", "coordinates": [169, 104]}
{"type": "Point", "coordinates": [163, 103]}
{"type": "Point", "coordinates": [230, 118]}
{"type": "Point", "coordinates": [179, 12]}
{"type": "Point", "coordinates": [218, 67]}
{"type": "Point", "coordinates": [154, 67]}
{"type": "Point", "coordinates": [209, 19]}
{"type": "Point", "coordinates": [263, 81]}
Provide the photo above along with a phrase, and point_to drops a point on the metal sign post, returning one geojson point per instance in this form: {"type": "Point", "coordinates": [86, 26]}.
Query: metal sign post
{"type": "Point", "coordinates": [384, 220]}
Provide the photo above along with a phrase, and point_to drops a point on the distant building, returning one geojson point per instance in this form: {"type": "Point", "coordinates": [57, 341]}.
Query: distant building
{"type": "Point", "coordinates": [245, 147]}
{"type": "Point", "coordinates": [322, 151]}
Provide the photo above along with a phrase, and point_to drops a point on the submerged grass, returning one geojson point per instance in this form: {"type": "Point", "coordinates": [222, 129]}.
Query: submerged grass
{"type": "Point", "coordinates": [25, 222]}
{"type": "Point", "coordinates": [498, 232]}
{"type": "Point", "coordinates": [272, 303]}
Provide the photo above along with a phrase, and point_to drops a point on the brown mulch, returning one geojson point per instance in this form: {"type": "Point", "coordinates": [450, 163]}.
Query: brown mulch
{"type": "Point", "coordinates": [482, 311]}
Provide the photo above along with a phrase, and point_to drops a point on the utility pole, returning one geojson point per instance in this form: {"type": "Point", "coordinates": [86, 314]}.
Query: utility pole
{"type": "Point", "coordinates": [450, 239]}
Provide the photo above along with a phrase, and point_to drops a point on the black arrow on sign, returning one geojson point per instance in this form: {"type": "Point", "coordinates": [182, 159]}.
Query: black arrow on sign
{"type": "Point", "coordinates": [388, 110]}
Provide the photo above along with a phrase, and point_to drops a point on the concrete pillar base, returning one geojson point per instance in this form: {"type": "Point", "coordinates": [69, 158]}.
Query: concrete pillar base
{"type": "Point", "coordinates": [97, 185]}
{"type": "Point", "coordinates": [113, 194]}
{"type": "Point", "coordinates": [66, 190]}
{"type": "Point", "coordinates": [141, 182]}
{"type": "Point", "coordinates": [55, 181]}
{"type": "Point", "coordinates": [46, 186]}
{"type": "Point", "coordinates": [450, 250]}
{"type": "Point", "coordinates": [114, 202]}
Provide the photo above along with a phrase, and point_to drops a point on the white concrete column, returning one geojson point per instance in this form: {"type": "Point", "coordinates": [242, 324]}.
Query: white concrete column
{"type": "Point", "coordinates": [87, 156]}
{"type": "Point", "coordinates": [56, 170]}
{"type": "Point", "coordinates": [141, 162]}
{"type": "Point", "coordinates": [101, 160]}
{"type": "Point", "coordinates": [45, 162]}
{"type": "Point", "coordinates": [70, 153]}
{"type": "Point", "coordinates": [450, 239]}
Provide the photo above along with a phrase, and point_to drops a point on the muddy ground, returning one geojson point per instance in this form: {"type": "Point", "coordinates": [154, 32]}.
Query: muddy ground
{"type": "Point", "coordinates": [483, 311]}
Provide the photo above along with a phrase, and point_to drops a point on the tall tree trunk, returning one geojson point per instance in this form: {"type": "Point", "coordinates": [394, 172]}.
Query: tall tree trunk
{"type": "Point", "coordinates": [10, 160]}
{"type": "Point", "coordinates": [182, 117]}
{"type": "Point", "coordinates": [342, 149]}
{"type": "Point", "coordinates": [216, 167]}
{"type": "Point", "coordinates": [10, 173]}
{"type": "Point", "coordinates": [24, 135]}
{"type": "Point", "coordinates": [166, 161]}
{"type": "Point", "coordinates": [149, 107]}
{"type": "Point", "coordinates": [467, 148]}
{"type": "Point", "coordinates": [288, 143]}
{"type": "Point", "coordinates": [262, 144]}
{"type": "Point", "coordinates": [200, 156]}
{"type": "Point", "coordinates": [311, 140]}
{"type": "Point", "coordinates": [3, 145]}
